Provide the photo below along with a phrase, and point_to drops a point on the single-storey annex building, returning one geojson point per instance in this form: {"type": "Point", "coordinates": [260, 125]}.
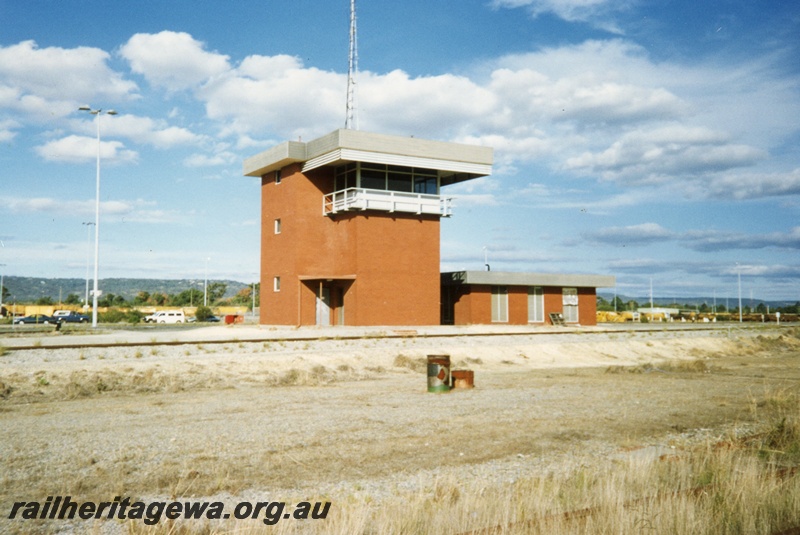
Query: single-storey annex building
{"type": "Point", "coordinates": [350, 229]}
{"type": "Point", "coordinates": [475, 297]}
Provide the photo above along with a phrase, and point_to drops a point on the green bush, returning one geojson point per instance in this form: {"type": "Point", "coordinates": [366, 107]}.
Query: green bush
{"type": "Point", "coordinates": [113, 315]}
{"type": "Point", "coordinates": [133, 316]}
{"type": "Point", "coordinates": [203, 313]}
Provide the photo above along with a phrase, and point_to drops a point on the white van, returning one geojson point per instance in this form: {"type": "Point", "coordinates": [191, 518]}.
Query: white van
{"type": "Point", "coordinates": [166, 316]}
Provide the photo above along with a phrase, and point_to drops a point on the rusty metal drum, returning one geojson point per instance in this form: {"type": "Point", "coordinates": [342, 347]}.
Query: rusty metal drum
{"type": "Point", "coordinates": [438, 373]}
{"type": "Point", "coordinates": [463, 378]}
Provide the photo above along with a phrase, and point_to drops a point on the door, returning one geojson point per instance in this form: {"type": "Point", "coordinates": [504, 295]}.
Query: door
{"type": "Point", "coordinates": [340, 306]}
{"type": "Point", "coordinates": [324, 306]}
{"type": "Point", "coordinates": [570, 303]}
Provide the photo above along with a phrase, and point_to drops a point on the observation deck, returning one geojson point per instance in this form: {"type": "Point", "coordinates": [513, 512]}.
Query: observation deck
{"type": "Point", "coordinates": [362, 199]}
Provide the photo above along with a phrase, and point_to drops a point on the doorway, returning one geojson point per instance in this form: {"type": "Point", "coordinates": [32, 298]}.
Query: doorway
{"type": "Point", "coordinates": [324, 306]}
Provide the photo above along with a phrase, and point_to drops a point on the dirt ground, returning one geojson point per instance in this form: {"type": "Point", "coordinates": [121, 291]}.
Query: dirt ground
{"type": "Point", "coordinates": [333, 419]}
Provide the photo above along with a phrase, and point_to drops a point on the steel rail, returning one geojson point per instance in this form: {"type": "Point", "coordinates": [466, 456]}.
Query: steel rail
{"type": "Point", "coordinates": [374, 335]}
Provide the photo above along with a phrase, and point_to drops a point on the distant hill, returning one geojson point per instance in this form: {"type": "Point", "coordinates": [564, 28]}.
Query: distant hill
{"type": "Point", "coordinates": [27, 289]}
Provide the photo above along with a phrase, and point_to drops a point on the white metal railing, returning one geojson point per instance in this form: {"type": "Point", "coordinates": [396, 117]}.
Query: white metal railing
{"type": "Point", "coordinates": [385, 201]}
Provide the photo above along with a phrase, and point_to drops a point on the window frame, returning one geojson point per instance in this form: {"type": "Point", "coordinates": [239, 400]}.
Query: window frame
{"type": "Point", "coordinates": [536, 304]}
{"type": "Point", "coordinates": [499, 297]}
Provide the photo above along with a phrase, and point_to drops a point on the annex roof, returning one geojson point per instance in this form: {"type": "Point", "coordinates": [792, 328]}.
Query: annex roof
{"type": "Point", "coordinates": [454, 161]}
{"type": "Point", "coordinates": [510, 278]}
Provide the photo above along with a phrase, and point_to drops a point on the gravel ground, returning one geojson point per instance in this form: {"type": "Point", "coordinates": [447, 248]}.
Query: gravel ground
{"type": "Point", "coordinates": [343, 419]}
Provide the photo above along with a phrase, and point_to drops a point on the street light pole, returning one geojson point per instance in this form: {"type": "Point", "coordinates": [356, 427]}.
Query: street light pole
{"type": "Point", "coordinates": [88, 248]}
{"type": "Point", "coordinates": [739, 276]}
{"type": "Point", "coordinates": [254, 300]}
{"type": "Point", "coordinates": [2, 274]}
{"type": "Point", "coordinates": [98, 112]}
{"type": "Point", "coordinates": [205, 286]}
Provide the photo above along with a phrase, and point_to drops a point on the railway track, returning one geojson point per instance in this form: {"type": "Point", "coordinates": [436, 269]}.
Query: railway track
{"type": "Point", "coordinates": [382, 334]}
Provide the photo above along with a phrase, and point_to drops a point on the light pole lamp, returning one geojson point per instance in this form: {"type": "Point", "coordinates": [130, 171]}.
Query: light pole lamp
{"type": "Point", "coordinates": [98, 112]}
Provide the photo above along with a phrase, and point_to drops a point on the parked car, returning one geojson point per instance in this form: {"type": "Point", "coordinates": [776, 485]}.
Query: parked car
{"type": "Point", "coordinates": [70, 316]}
{"type": "Point", "coordinates": [40, 319]}
{"type": "Point", "coordinates": [166, 316]}
{"type": "Point", "coordinates": [209, 319]}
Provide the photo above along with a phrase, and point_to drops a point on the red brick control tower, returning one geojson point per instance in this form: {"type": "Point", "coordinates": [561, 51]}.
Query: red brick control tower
{"type": "Point", "coordinates": [350, 227]}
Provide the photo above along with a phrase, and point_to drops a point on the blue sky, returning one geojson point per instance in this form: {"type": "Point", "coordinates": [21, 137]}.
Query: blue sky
{"type": "Point", "coordinates": [652, 140]}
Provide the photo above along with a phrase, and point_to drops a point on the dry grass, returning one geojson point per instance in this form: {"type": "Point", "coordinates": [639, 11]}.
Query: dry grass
{"type": "Point", "coordinates": [731, 487]}
{"type": "Point", "coordinates": [672, 366]}
{"type": "Point", "coordinates": [414, 364]}
{"type": "Point", "coordinates": [725, 485]}
{"type": "Point", "coordinates": [53, 386]}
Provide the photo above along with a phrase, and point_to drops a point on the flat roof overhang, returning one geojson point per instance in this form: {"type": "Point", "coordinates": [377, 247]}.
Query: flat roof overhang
{"type": "Point", "coordinates": [508, 278]}
{"type": "Point", "coordinates": [454, 161]}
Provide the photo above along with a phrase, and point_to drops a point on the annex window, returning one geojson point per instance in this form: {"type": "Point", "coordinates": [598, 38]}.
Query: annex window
{"type": "Point", "coordinates": [276, 284]}
{"type": "Point", "coordinates": [499, 304]}
{"type": "Point", "coordinates": [569, 301]}
{"type": "Point", "coordinates": [277, 226]}
{"type": "Point", "coordinates": [277, 177]}
{"type": "Point", "coordinates": [535, 304]}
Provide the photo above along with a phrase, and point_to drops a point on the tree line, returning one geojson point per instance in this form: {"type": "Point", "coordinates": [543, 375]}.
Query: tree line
{"type": "Point", "coordinates": [187, 298]}
{"type": "Point", "coordinates": [704, 308]}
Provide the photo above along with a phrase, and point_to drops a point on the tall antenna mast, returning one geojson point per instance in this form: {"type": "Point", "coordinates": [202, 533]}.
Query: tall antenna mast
{"type": "Point", "coordinates": [351, 121]}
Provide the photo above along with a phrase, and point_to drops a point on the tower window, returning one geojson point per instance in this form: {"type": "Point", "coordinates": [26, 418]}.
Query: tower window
{"type": "Point", "coordinates": [276, 284]}
{"type": "Point", "coordinates": [277, 177]}
{"type": "Point", "coordinates": [386, 177]}
{"type": "Point", "coordinates": [277, 226]}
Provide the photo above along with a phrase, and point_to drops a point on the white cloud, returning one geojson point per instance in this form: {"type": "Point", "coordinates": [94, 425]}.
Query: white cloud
{"type": "Point", "coordinates": [172, 60]}
{"type": "Point", "coordinates": [209, 160]}
{"type": "Point", "coordinates": [754, 185]}
{"type": "Point", "coordinates": [713, 240]}
{"type": "Point", "coordinates": [425, 105]}
{"type": "Point", "coordinates": [7, 128]}
{"type": "Point", "coordinates": [601, 109]}
{"type": "Point", "coordinates": [48, 81]}
{"type": "Point", "coordinates": [478, 192]}
{"type": "Point", "coordinates": [706, 240]}
{"type": "Point", "coordinates": [642, 234]}
{"type": "Point", "coordinates": [595, 12]}
{"type": "Point", "coordinates": [664, 153]}
{"type": "Point", "coordinates": [63, 207]}
{"type": "Point", "coordinates": [276, 94]}
{"type": "Point", "coordinates": [79, 149]}
{"type": "Point", "coordinates": [143, 130]}
{"type": "Point", "coordinates": [113, 211]}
